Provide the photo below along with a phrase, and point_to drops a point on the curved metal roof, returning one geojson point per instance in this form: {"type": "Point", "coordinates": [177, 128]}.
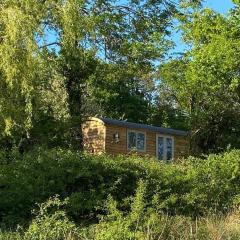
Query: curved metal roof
{"type": "Point", "coordinates": [143, 126]}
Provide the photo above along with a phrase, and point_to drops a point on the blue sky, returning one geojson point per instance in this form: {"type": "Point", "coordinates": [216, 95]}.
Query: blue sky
{"type": "Point", "coordinates": [221, 6]}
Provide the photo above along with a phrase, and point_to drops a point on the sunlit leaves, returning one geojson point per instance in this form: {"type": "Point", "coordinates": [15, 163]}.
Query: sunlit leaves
{"type": "Point", "coordinates": [21, 68]}
{"type": "Point", "coordinates": [45, 48]}
{"type": "Point", "coordinates": [205, 80]}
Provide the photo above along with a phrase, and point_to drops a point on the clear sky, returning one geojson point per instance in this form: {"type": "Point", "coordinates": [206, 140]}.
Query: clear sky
{"type": "Point", "coordinates": [221, 6]}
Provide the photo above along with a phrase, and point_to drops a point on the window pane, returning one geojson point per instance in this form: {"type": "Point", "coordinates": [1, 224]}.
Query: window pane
{"type": "Point", "coordinates": [169, 148]}
{"type": "Point", "coordinates": [160, 148]}
{"type": "Point", "coordinates": [131, 140]}
{"type": "Point", "coordinates": [140, 141]}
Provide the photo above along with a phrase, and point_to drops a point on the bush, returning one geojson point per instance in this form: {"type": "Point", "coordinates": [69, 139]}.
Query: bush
{"type": "Point", "coordinates": [192, 187]}
{"type": "Point", "coordinates": [50, 223]}
{"type": "Point", "coordinates": [215, 182]}
{"type": "Point", "coordinates": [141, 222]}
{"type": "Point", "coordinates": [53, 225]}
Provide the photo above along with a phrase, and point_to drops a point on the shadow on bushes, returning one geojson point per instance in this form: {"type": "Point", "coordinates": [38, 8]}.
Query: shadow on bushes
{"type": "Point", "coordinates": [191, 187]}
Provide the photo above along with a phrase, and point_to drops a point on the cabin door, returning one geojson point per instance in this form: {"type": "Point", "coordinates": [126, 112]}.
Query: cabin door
{"type": "Point", "coordinates": [164, 147]}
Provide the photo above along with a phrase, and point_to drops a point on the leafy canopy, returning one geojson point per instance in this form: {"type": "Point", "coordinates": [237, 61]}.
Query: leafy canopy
{"type": "Point", "coordinates": [50, 51]}
{"type": "Point", "coordinates": [205, 79]}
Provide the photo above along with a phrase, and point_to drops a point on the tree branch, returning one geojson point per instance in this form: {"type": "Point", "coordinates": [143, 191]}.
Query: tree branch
{"type": "Point", "coordinates": [50, 44]}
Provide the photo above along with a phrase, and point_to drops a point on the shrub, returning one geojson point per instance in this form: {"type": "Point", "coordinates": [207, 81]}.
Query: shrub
{"type": "Point", "coordinates": [144, 222]}
{"type": "Point", "coordinates": [51, 225]}
{"type": "Point", "coordinates": [10, 236]}
{"type": "Point", "coordinates": [141, 222]}
{"type": "Point", "coordinates": [117, 226]}
{"type": "Point", "coordinates": [191, 187]}
{"type": "Point", "coordinates": [215, 184]}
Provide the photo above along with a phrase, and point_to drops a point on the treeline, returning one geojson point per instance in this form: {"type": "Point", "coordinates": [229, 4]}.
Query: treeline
{"type": "Point", "coordinates": [62, 61]}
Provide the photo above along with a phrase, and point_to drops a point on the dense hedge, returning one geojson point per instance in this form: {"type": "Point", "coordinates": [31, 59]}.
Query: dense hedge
{"type": "Point", "coordinates": [190, 187]}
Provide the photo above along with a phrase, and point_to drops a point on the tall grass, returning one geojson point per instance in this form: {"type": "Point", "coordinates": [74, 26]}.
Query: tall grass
{"type": "Point", "coordinates": [140, 223]}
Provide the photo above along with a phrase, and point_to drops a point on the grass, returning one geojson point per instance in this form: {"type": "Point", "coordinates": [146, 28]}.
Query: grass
{"type": "Point", "coordinates": [160, 227]}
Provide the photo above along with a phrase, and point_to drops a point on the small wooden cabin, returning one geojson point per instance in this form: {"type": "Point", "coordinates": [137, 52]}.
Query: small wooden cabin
{"type": "Point", "coordinates": [103, 135]}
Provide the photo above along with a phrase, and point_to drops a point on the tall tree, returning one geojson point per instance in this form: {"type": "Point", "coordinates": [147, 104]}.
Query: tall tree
{"type": "Point", "coordinates": [30, 82]}
{"type": "Point", "coordinates": [50, 50]}
{"type": "Point", "coordinates": [205, 80]}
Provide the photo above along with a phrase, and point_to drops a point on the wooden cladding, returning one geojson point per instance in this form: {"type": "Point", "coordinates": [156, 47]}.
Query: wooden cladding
{"type": "Point", "coordinates": [99, 137]}
{"type": "Point", "coordinates": [93, 136]}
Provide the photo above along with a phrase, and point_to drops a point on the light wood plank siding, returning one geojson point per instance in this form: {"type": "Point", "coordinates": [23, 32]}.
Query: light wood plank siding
{"type": "Point", "coordinates": [181, 148]}
{"type": "Point", "coordinates": [94, 136]}
{"type": "Point", "coordinates": [98, 137]}
{"type": "Point", "coordinates": [151, 144]}
{"type": "Point", "coordinates": [111, 146]}
{"type": "Point", "coordinates": [121, 147]}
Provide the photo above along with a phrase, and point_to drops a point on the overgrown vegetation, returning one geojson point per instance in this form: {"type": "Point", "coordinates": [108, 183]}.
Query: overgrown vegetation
{"type": "Point", "coordinates": [140, 223]}
{"type": "Point", "coordinates": [85, 58]}
{"type": "Point", "coordinates": [204, 80]}
{"type": "Point", "coordinates": [63, 61]}
{"type": "Point", "coordinates": [185, 192]}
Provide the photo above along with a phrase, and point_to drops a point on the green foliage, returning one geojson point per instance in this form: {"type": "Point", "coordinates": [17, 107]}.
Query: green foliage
{"type": "Point", "coordinates": [204, 81]}
{"type": "Point", "coordinates": [50, 222]}
{"type": "Point", "coordinates": [148, 223]}
{"type": "Point", "coordinates": [30, 82]}
{"type": "Point", "coordinates": [144, 222]}
{"type": "Point", "coordinates": [118, 226]}
{"type": "Point", "coordinates": [191, 187]}
{"type": "Point", "coordinates": [61, 61]}
{"type": "Point", "coordinates": [52, 226]}
{"type": "Point", "coordinates": [111, 86]}
{"type": "Point", "coordinates": [53, 52]}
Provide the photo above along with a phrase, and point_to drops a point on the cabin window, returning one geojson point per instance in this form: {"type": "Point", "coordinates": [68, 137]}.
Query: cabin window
{"type": "Point", "coordinates": [165, 147]}
{"type": "Point", "coordinates": [136, 140]}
